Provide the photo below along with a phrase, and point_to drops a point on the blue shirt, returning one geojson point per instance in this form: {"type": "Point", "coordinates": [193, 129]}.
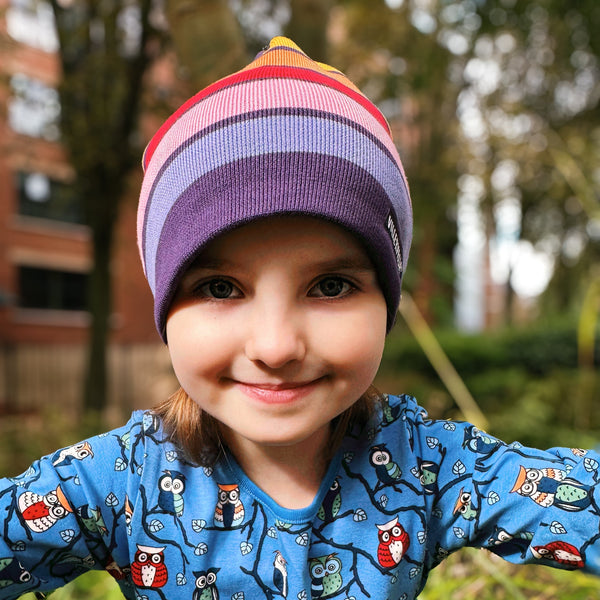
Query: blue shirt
{"type": "Point", "coordinates": [398, 497]}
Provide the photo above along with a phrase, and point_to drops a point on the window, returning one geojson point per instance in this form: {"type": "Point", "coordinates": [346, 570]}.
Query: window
{"type": "Point", "coordinates": [42, 288]}
{"type": "Point", "coordinates": [34, 108]}
{"type": "Point", "coordinates": [45, 198]}
{"type": "Point", "coordinates": [32, 22]}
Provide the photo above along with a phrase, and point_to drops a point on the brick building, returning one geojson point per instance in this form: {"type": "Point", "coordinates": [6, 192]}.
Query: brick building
{"type": "Point", "coordinates": [45, 250]}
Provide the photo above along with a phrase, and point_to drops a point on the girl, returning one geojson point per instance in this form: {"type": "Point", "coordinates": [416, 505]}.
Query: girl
{"type": "Point", "coordinates": [274, 228]}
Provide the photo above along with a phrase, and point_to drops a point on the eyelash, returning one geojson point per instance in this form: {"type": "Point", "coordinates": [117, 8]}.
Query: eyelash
{"type": "Point", "coordinates": [203, 288]}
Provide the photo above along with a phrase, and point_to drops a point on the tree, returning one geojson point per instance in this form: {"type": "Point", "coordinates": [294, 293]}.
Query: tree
{"type": "Point", "coordinates": [104, 51]}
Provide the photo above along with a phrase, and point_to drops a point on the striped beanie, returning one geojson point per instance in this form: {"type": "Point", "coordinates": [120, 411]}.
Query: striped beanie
{"type": "Point", "coordinates": [285, 135]}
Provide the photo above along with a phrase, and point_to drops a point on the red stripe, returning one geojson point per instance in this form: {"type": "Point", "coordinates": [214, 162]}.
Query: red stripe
{"type": "Point", "coordinates": [264, 72]}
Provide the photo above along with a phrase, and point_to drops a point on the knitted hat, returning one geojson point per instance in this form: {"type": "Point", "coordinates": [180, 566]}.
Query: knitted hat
{"type": "Point", "coordinates": [285, 135]}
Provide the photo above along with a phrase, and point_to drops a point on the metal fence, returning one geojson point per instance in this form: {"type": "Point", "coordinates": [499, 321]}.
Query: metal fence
{"type": "Point", "coordinates": [33, 377]}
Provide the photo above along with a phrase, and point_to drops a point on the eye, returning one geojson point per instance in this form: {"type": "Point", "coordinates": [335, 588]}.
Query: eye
{"type": "Point", "coordinates": [331, 287]}
{"type": "Point", "coordinates": [211, 578]}
{"type": "Point", "coordinates": [178, 486]}
{"type": "Point", "coordinates": [220, 289]}
{"type": "Point", "coordinates": [166, 484]}
{"type": "Point", "coordinates": [156, 558]}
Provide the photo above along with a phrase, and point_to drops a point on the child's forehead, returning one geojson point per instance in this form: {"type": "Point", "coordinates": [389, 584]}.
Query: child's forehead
{"type": "Point", "coordinates": [291, 234]}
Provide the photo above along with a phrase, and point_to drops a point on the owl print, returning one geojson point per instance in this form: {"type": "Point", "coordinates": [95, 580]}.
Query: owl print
{"type": "Point", "coordinates": [148, 568]}
{"type": "Point", "coordinates": [171, 486]}
{"type": "Point", "coordinates": [325, 575]}
{"type": "Point", "coordinates": [229, 512]}
{"type": "Point", "coordinates": [67, 455]}
{"type": "Point", "coordinates": [388, 472]}
{"type": "Point", "coordinates": [330, 507]}
{"type": "Point", "coordinates": [559, 552]}
{"type": "Point", "coordinates": [551, 487]}
{"type": "Point", "coordinates": [42, 512]}
{"type": "Point", "coordinates": [464, 506]}
{"type": "Point", "coordinates": [280, 576]}
{"type": "Point", "coordinates": [206, 585]}
{"type": "Point", "coordinates": [12, 571]}
{"type": "Point", "coordinates": [393, 543]}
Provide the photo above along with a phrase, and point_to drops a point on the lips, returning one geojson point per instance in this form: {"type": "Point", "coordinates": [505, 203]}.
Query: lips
{"type": "Point", "coordinates": [277, 393]}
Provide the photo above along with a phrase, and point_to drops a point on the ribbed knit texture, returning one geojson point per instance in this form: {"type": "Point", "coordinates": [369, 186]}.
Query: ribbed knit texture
{"type": "Point", "coordinates": [285, 135]}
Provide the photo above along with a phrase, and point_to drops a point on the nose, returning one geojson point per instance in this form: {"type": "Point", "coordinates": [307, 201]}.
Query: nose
{"type": "Point", "coordinates": [275, 335]}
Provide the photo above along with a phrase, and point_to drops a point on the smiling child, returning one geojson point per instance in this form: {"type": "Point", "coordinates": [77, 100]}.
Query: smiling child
{"type": "Point", "coordinates": [274, 228]}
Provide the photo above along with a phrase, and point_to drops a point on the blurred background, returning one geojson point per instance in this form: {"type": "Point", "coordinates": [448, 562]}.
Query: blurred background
{"type": "Point", "coordinates": [494, 106]}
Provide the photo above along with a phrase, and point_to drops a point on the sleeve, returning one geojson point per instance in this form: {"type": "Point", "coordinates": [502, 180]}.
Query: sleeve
{"type": "Point", "coordinates": [68, 512]}
{"type": "Point", "coordinates": [524, 504]}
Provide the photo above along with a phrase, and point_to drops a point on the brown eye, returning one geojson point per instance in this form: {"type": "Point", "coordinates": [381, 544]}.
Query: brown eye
{"type": "Point", "coordinates": [331, 287]}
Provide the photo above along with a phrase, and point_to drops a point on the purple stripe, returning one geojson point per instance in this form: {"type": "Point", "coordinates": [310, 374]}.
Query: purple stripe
{"type": "Point", "coordinates": [330, 188]}
{"type": "Point", "coordinates": [285, 133]}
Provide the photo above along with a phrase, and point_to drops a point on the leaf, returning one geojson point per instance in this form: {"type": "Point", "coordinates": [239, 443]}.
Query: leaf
{"type": "Point", "coordinates": [492, 498]}
{"type": "Point", "coordinates": [238, 596]}
{"type": "Point", "coordinates": [171, 455]}
{"type": "Point", "coordinates": [200, 549]}
{"type": "Point", "coordinates": [207, 471]}
{"type": "Point", "coordinates": [67, 535]}
{"type": "Point", "coordinates": [76, 480]}
{"type": "Point", "coordinates": [558, 528]}
{"type": "Point", "coordinates": [302, 539]}
{"type": "Point", "coordinates": [18, 546]}
{"type": "Point", "coordinates": [432, 442]}
{"type": "Point", "coordinates": [348, 456]}
{"type": "Point", "coordinates": [590, 464]}
{"type": "Point", "coordinates": [437, 513]}
{"type": "Point", "coordinates": [422, 537]}
{"type": "Point", "coordinates": [458, 468]}
{"type": "Point", "coordinates": [246, 548]}
{"type": "Point", "coordinates": [359, 515]}
{"type": "Point", "coordinates": [120, 464]}
{"type": "Point", "coordinates": [180, 579]}
{"type": "Point", "coordinates": [155, 525]}
{"type": "Point", "coordinates": [383, 500]}
{"type": "Point", "coordinates": [198, 525]}
{"type": "Point", "coordinates": [458, 532]}
{"type": "Point", "coordinates": [272, 532]}
{"type": "Point", "coordinates": [302, 595]}
{"type": "Point", "coordinates": [414, 572]}
{"type": "Point", "coordinates": [415, 471]}
{"type": "Point", "coordinates": [448, 426]}
{"type": "Point", "coordinates": [111, 500]}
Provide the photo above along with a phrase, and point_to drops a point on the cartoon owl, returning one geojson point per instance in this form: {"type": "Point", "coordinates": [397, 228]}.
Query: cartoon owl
{"type": "Point", "coordinates": [67, 455]}
{"type": "Point", "coordinates": [551, 487]}
{"type": "Point", "coordinates": [206, 585]}
{"type": "Point", "coordinates": [506, 542]}
{"type": "Point", "coordinates": [428, 474]}
{"type": "Point", "coordinates": [388, 472]}
{"type": "Point", "coordinates": [393, 543]}
{"type": "Point", "coordinates": [229, 511]}
{"type": "Point", "coordinates": [560, 552]}
{"type": "Point", "coordinates": [171, 486]}
{"type": "Point", "coordinates": [331, 503]}
{"type": "Point", "coordinates": [41, 512]}
{"type": "Point", "coordinates": [12, 571]}
{"type": "Point", "coordinates": [148, 568]}
{"type": "Point", "coordinates": [280, 577]}
{"type": "Point", "coordinates": [464, 506]}
{"type": "Point", "coordinates": [92, 519]}
{"type": "Point", "coordinates": [390, 414]}
{"type": "Point", "coordinates": [325, 575]}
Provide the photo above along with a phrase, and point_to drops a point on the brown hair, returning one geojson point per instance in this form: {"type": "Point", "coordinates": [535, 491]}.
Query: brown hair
{"type": "Point", "coordinates": [196, 433]}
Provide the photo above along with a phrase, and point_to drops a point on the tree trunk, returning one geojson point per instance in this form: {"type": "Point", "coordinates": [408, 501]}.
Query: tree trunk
{"type": "Point", "coordinates": [308, 26]}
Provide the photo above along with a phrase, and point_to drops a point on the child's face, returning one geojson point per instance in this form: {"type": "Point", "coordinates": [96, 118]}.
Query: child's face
{"type": "Point", "coordinates": [277, 328]}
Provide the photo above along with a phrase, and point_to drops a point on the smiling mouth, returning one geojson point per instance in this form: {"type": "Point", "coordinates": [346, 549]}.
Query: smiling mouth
{"type": "Point", "coordinates": [278, 393]}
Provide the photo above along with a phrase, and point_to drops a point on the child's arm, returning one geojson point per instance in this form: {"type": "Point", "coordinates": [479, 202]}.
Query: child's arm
{"type": "Point", "coordinates": [524, 504]}
{"type": "Point", "coordinates": [68, 512]}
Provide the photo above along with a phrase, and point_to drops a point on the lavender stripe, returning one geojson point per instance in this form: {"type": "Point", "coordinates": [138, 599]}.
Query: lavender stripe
{"type": "Point", "coordinates": [285, 134]}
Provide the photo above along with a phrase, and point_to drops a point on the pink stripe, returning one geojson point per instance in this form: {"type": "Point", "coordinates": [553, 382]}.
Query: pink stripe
{"type": "Point", "coordinates": [262, 94]}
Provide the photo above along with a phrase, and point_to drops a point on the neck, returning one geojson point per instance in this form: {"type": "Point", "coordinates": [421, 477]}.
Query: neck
{"type": "Point", "coordinates": [291, 475]}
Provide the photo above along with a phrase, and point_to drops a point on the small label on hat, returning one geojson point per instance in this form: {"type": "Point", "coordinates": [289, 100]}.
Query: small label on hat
{"type": "Point", "coordinates": [391, 227]}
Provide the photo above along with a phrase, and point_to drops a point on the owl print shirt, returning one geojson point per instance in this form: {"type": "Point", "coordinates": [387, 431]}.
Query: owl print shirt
{"type": "Point", "coordinates": [399, 496]}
